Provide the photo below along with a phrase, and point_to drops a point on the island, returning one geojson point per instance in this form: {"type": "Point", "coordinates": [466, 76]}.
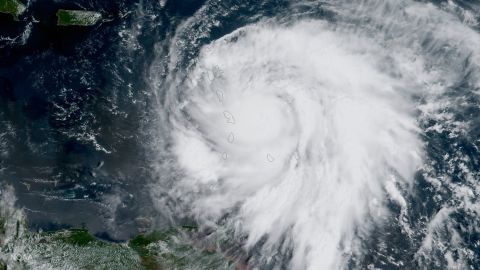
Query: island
{"type": "Point", "coordinates": [67, 17]}
{"type": "Point", "coordinates": [13, 7]}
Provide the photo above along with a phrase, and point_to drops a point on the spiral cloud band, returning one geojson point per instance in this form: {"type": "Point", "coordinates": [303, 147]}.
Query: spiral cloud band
{"type": "Point", "coordinates": [300, 131]}
{"type": "Point", "coordinates": [298, 134]}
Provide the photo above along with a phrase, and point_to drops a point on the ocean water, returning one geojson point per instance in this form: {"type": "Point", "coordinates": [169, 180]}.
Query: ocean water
{"type": "Point", "coordinates": [300, 134]}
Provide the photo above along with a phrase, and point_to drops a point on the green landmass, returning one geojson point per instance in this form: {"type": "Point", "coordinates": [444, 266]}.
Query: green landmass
{"type": "Point", "coordinates": [79, 237]}
{"type": "Point", "coordinates": [77, 17]}
{"type": "Point", "coordinates": [172, 248]}
{"type": "Point", "coordinates": [140, 243]}
{"type": "Point", "coordinates": [13, 7]}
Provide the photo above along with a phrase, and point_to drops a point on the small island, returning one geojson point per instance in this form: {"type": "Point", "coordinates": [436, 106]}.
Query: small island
{"type": "Point", "coordinates": [13, 7]}
{"type": "Point", "coordinates": [77, 17]}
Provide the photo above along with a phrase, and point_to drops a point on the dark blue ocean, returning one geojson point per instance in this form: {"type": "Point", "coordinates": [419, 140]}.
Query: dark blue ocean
{"type": "Point", "coordinates": [81, 114]}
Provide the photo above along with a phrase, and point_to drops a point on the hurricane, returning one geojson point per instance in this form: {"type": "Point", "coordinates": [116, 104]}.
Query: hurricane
{"type": "Point", "coordinates": [246, 135]}
{"type": "Point", "coordinates": [304, 134]}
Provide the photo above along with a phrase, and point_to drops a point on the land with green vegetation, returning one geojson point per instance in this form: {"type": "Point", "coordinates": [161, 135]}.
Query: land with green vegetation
{"type": "Point", "coordinates": [13, 7]}
{"type": "Point", "coordinates": [77, 17]}
{"type": "Point", "coordinates": [172, 248]}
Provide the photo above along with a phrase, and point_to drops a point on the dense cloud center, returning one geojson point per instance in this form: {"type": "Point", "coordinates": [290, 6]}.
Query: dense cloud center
{"type": "Point", "coordinates": [298, 130]}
